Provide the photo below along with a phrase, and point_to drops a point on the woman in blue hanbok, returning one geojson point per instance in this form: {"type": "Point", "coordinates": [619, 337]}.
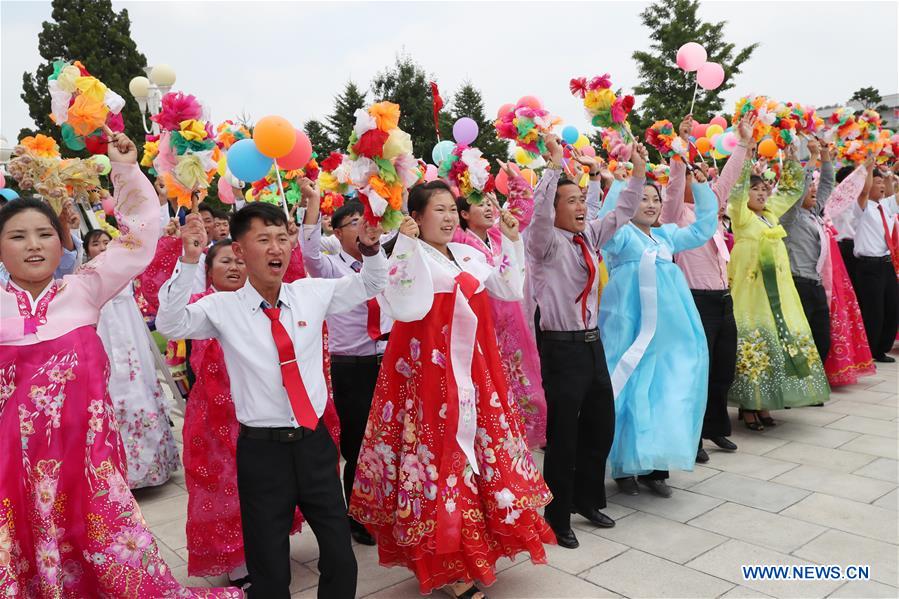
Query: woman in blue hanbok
{"type": "Point", "coordinates": [654, 341]}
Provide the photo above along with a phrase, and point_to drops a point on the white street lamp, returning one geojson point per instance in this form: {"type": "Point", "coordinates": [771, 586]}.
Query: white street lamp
{"type": "Point", "coordinates": [148, 91]}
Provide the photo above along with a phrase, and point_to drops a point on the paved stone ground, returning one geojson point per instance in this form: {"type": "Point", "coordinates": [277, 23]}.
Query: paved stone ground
{"type": "Point", "coordinates": [819, 488]}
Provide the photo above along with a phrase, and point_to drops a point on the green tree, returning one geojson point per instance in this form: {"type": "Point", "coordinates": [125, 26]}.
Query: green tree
{"type": "Point", "coordinates": [869, 97]}
{"type": "Point", "coordinates": [467, 101]}
{"type": "Point", "coordinates": [407, 84]}
{"type": "Point", "coordinates": [339, 124]}
{"type": "Point", "coordinates": [322, 144]}
{"type": "Point", "coordinates": [666, 89]}
{"type": "Point", "coordinates": [92, 32]}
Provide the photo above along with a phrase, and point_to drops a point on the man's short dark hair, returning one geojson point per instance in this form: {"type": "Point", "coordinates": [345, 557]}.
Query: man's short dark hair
{"type": "Point", "coordinates": [844, 172]}
{"type": "Point", "coordinates": [351, 208]}
{"type": "Point", "coordinates": [563, 181]}
{"type": "Point", "coordinates": [204, 207]}
{"type": "Point", "coordinates": [269, 214]}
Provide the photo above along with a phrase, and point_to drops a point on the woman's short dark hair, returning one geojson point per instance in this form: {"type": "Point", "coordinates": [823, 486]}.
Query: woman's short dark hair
{"type": "Point", "coordinates": [654, 186]}
{"type": "Point", "coordinates": [269, 214]}
{"type": "Point", "coordinates": [462, 205]}
{"type": "Point", "coordinates": [420, 195]}
{"type": "Point", "coordinates": [844, 172]}
{"type": "Point", "coordinates": [756, 180]}
{"type": "Point", "coordinates": [91, 235]}
{"type": "Point", "coordinates": [351, 208]}
{"type": "Point", "coordinates": [20, 205]}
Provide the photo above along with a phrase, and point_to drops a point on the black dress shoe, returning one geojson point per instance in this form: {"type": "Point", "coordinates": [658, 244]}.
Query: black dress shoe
{"type": "Point", "coordinates": [701, 456]}
{"type": "Point", "coordinates": [597, 517]}
{"type": "Point", "coordinates": [884, 359]}
{"type": "Point", "coordinates": [628, 486]}
{"type": "Point", "coordinates": [360, 535]}
{"type": "Point", "coordinates": [567, 539]}
{"type": "Point", "coordinates": [658, 487]}
{"type": "Point", "coordinates": [724, 443]}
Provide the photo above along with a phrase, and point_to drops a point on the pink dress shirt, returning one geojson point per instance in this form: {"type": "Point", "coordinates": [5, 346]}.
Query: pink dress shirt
{"type": "Point", "coordinates": [706, 266]}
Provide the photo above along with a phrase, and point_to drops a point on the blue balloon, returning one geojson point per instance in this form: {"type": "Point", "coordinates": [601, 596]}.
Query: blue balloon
{"type": "Point", "coordinates": [9, 194]}
{"type": "Point", "coordinates": [246, 162]}
{"type": "Point", "coordinates": [570, 134]}
{"type": "Point", "coordinates": [442, 150]}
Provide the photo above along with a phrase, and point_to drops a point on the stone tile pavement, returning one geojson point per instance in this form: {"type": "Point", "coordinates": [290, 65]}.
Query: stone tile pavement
{"type": "Point", "coordinates": [819, 488]}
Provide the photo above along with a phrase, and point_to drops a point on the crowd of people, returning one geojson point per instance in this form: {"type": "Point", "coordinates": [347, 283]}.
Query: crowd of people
{"type": "Point", "coordinates": [609, 320]}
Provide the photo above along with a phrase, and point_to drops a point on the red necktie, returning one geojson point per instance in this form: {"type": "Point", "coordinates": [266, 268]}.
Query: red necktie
{"type": "Point", "coordinates": [889, 238]}
{"type": "Point", "coordinates": [373, 324]}
{"type": "Point", "coordinates": [290, 372]}
{"type": "Point", "coordinates": [591, 275]}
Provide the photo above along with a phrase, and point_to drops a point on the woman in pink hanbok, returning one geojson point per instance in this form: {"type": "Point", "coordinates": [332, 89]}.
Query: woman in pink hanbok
{"type": "Point", "coordinates": [479, 228]}
{"type": "Point", "coordinates": [850, 354]}
{"type": "Point", "coordinates": [69, 526]}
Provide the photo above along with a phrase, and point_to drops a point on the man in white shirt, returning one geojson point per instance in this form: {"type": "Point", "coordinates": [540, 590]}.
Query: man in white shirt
{"type": "Point", "coordinates": [356, 338]}
{"type": "Point", "coordinates": [875, 277]}
{"type": "Point", "coordinates": [270, 335]}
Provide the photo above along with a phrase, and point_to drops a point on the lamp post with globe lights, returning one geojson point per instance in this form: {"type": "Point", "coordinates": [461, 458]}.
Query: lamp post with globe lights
{"type": "Point", "coordinates": [149, 90]}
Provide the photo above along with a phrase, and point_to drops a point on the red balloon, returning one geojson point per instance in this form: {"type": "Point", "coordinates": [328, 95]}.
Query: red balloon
{"type": "Point", "coordinates": [531, 101]}
{"type": "Point", "coordinates": [504, 110]}
{"type": "Point", "coordinates": [501, 181]}
{"type": "Point", "coordinates": [299, 155]}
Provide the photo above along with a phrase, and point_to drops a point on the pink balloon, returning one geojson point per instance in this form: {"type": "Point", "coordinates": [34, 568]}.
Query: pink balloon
{"type": "Point", "coordinates": [730, 141]}
{"type": "Point", "coordinates": [710, 76]}
{"type": "Point", "coordinates": [714, 139]}
{"type": "Point", "coordinates": [299, 155]}
{"type": "Point", "coordinates": [691, 56]}
{"type": "Point", "coordinates": [699, 130]}
{"type": "Point", "coordinates": [108, 205]}
{"type": "Point", "coordinates": [465, 131]}
{"type": "Point", "coordinates": [504, 110]}
{"type": "Point", "coordinates": [719, 120]}
{"type": "Point", "coordinates": [531, 101]}
{"type": "Point", "coordinates": [588, 151]}
{"type": "Point", "coordinates": [430, 173]}
{"type": "Point", "coordinates": [226, 194]}
{"type": "Point", "coordinates": [2, 181]}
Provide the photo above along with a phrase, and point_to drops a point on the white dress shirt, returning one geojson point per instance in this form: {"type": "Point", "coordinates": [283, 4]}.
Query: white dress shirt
{"type": "Point", "coordinates": [244, 332]}
{"type": "Point", "coordinates": [347, 331]}
{"type": "Point", "coordinates": [870, 240]}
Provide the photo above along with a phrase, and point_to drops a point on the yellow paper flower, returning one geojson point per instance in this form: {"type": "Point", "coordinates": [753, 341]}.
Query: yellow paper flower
{"type": "Point", "coordinates": [599, 99]}
{"type": "Point", "coordinates": [41, 145]}
{"type": "Point", "coordinates": [151, 149]}
{"type": "Point", "coordinates": [192, 130]}
{"type": "Point", "coordinates": [91, 87]}
{"type": "Point", "coordinates": [327, 181]}
{"type": "Point", "coordinates": [398, 142]}
{"type": "Point", "coordinates": [190, 172]}
{"type": "Point", "coordinates": [386, 115]}
{"type": "Point", "coordinates": [67, 78]}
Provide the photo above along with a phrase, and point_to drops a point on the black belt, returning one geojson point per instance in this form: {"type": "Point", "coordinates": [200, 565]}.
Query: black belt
{"type": "Point", "coordinates": [282, 435]}
{"type": "Point", "coordinates": [873, 258]}
{"type": "Point", "coordinates": [711, 292]}
{"type": "Point", "coordinates": [590, 336]}
{"type": "Point", "coordinates": [806, 281]}
{"type": "Point", "coordinates": [356, 359]}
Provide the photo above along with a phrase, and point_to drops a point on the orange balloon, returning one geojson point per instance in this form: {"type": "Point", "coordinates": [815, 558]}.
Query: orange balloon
{"type": "Point", "coordinates": [768, 148]}
{"type": "Point", "coordinates": [529, 176]}
{"type": "Point", "coordinates": [274, 136]}
{"type": "Point", "coordinates": [703, 145]}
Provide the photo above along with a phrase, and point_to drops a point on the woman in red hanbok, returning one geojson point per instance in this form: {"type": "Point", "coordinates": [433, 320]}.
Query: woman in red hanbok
{"type": "Point", "coordinates": [214, 532]}
{"type": "Point", "coordinates": [516, 342]}
{"type": "Point", "coordinates": [69, 526]}
{"type": "Point", "coordinates": [445, 480]}
{"type": "Point", "coordinates": [850, 355]}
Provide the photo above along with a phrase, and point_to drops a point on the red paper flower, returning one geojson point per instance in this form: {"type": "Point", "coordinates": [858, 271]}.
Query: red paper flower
{"type": "Point", "coordinates": [371, 143]}
{"type": "Point", "coordinates": [96, 144]}
{"type": "Point", "coordinates": [332, 161]}
{"type": "Point", "coordinates": [177, 107]}
{"type": "Point", "coordinates": [578, 86]}
{"type": "Point", "coordinates": [604, 82]}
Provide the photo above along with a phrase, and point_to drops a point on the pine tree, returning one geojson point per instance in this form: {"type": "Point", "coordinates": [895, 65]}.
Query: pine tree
{"type": "Point", "coordinates": [869, 98]}
{"type": "Point", "coordinates": [467, 101]}
{"type": "Point", "coordinates": [322, 144]}
{"type": "Point", "coordinates": [89, 31]}
{"type": "Point", "coordinates": [667, 90]}
{"type": "Point", "coordinates": [407, 84]}
{"type": "Point", "coordinates": [339, 124]}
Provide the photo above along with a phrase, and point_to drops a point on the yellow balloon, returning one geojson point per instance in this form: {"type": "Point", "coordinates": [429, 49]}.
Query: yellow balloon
{"type": "Point", "coordinates": [713, 129]}
{"type": "Point", "coordinates": [222, 165]}
{"type": "Point", "coordinates": [581, 142]}
{"type": "Point", "coordinates": [521, 157]}
{"type": "Point", "coordinates": [718, 155]}
{"type": "Point", "coordinates": [248, 195]}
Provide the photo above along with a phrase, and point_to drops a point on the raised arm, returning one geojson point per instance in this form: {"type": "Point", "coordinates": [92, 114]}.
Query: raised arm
{"type": "Point", "coordinates": [699, 232]}
{"type": "Point", "coordinates": [137, 215]}
{"type": "Point", "coordinates": [731, 172]}
{"type": "Point", "coordinates": [410, 290]}
{"type": "Point", "coordinates": [826, 182]}
{"type": "Point", "coordinates": [673, 210]}
{"type": "Point", "coordinates": [352, 290]}
{"type": "Point", "coordinates": [626, 206]}
{"type": "Point", "coordinates": [540, 233]}
{"type": "Point", "coordinates": [521, 199]}
{"type": "Point", "coordinates": [506, 282]}
{"type": "Point", "coordinates": [317, 265]}
{"type": "Point", "coordinates": [738, 202]}
{"type": "Point", "coordinates": [790, 188]}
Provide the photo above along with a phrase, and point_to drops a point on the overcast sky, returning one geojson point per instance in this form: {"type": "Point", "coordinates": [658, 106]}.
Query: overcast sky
{"type": "Point", "coordinates": [291, 58]}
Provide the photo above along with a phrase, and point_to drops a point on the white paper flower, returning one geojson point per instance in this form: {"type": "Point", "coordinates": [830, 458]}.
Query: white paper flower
{"type": "Point", "coordinates": [114, 101]}
{"type": "Point", "coordinates": [361, 169]}
{"type": "Point", "coordinates": [377, 203]}
{"type": "Point", "coordinates": [364, 122]}
{"type": "Point", "coordinates": [59, 102]}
